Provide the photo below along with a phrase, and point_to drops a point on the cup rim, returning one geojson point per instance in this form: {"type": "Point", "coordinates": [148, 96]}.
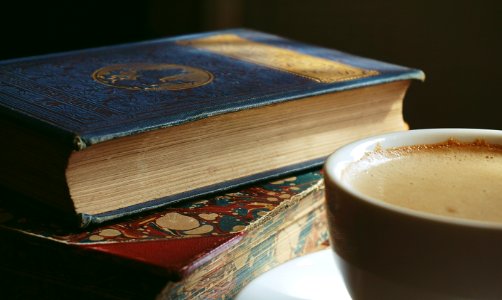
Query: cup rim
{"type": "Point", "coordinates": [350, 152]}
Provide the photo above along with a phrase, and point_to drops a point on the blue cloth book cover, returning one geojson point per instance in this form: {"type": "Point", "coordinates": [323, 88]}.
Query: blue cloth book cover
{"type": "Point", "coordinates": [71, 118]}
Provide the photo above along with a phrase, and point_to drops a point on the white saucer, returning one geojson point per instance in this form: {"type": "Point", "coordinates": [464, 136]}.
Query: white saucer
{"type": "Point", "coordinates": [313, 276]}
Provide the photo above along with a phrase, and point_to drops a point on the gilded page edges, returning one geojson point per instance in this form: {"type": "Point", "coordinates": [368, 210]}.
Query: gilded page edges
{"type": "Point", "coordinates": [315, 68]}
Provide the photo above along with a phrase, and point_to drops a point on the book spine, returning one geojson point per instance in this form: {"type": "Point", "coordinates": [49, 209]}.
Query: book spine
{"type": "Point", "coordinates": [36, 127]}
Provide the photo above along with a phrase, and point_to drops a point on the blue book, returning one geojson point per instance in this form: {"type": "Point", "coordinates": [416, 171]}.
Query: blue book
{"type": "Point", "coordinates": [101, 133]}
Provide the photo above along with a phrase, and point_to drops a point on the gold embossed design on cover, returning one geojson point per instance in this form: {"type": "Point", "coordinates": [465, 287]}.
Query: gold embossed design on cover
{"type": "Point", "coordinates": [152, 77]}
{"type": "Point", "coordinates": [312, 67]}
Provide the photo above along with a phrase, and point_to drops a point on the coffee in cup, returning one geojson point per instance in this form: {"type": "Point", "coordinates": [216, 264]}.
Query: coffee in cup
{"type": "Point", "coordinates": [451, 178]}
{"type": "Point", "coordinates": [416, 214]}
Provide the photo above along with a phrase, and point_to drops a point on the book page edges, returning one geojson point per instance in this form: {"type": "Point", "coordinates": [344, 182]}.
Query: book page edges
{"type": "Point", "coordinates": [295, 132]}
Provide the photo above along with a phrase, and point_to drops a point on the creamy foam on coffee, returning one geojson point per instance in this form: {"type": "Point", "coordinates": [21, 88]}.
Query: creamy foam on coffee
{"type": "Point", "coordinates": [452, 178]}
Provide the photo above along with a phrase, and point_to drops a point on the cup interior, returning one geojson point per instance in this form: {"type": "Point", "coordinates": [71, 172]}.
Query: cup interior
{"type": "Point", "coordinates": [341, 158]}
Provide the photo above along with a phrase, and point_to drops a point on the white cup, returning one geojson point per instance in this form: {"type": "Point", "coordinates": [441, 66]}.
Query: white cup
{"type": "Point", "coordinates": [389, 252]}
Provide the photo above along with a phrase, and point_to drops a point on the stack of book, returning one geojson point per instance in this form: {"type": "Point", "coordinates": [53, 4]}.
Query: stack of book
{"type": "Point", "coordinates": [175, 168]}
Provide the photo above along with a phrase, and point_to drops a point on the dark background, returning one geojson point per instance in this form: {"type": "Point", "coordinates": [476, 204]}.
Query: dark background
{"type": "Point", "coordinates": [456, 43]}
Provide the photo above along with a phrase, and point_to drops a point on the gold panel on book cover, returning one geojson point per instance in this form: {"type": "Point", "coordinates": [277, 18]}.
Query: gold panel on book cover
{"type": "Point", "coordinates": [315, 68]}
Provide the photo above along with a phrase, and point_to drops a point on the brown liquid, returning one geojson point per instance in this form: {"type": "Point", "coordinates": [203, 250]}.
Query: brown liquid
{"type": "Point", "coordinates": [452, 179]}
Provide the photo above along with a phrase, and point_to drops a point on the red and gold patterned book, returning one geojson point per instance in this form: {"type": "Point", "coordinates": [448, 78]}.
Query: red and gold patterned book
{"type": "Point", "coordinates": [202, 249]}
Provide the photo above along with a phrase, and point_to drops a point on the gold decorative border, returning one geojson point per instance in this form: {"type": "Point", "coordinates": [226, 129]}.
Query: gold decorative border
{"type": "Point", "coordinates": [198, 77]}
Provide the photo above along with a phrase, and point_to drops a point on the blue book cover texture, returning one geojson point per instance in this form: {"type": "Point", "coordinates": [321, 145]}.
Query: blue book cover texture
{"type": "Point", "coordinates": [104, 93]}
{"type": "Point", "coordinates": [91, 96]}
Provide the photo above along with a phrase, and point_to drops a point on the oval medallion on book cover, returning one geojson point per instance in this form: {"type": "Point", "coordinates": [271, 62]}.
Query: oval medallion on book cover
{"type": "Point", "coordinates": [152, 77]}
